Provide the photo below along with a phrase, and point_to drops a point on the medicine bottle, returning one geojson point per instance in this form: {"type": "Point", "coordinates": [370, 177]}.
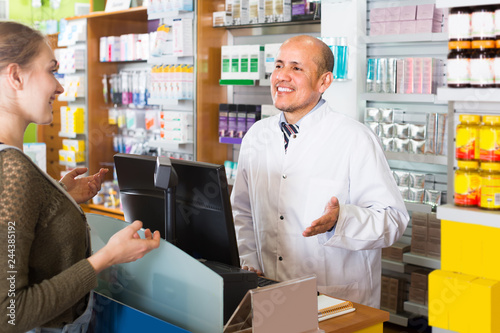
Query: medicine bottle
{"type": "Point", "coordinates": [489, 196]}
{"type": "Point", "coordinates": [458, 66]}
{"type": "Point", "coordinates": [481, 64]}
{"type": "Point", "coordinates": [467, 139]}
{"type": "Point", "coordinates": [459, 24]}
{"type": "Point", "coordinates": [467, 183]}
{"type": "Point", "coordinates": [483, 22]}
{"type": "Point", "coordinates": [489, 139]}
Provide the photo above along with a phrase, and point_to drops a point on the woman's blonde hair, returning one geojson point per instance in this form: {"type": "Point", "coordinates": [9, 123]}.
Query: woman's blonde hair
{"type": "Point", "coordinates": [19, 44]}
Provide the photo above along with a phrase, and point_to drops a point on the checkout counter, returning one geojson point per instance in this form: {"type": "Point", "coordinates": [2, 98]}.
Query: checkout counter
{"type": "Point", "coordinates": [169, 291]}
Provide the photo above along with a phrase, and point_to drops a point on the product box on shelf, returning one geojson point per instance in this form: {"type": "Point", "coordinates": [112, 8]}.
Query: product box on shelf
{"type": "Point", "coordinates": [183, 37]}
{"type": "Point", "coordinates": [222, 18]}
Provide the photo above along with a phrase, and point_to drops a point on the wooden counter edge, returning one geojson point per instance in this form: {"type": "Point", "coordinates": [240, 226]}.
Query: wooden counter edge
{"type": "Point", "coordinates": [363, 317]}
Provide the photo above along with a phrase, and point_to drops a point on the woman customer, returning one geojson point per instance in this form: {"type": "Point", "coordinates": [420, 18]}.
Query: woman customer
{"type": "Point", "coordinates": [47, 271]}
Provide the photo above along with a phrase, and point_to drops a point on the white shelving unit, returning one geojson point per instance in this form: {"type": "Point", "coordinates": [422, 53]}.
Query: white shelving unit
{"type": "Point", "coordinates": [417, 207]}
{"type": "Point", "coordinates": [469, 215]}
{"type": "Point", "coordinates": [416, 308]}
{"type": "Point", "coordinates": [407, 38]}
{"type": "Point", "coordinates": [464, 3]}
{"type": "Point", "coordinates": [417, 260]}
{"type": "Point", "coordinates": [394, 266]}
{"type": "Point", "coordinates": [408, 98]}
{"type": "Point", "coordinates": [470, 95]}
{"type": "Point", "coordinates": [417, 158]}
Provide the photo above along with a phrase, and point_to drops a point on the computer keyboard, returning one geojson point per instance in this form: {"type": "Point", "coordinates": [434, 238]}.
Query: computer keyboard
{"type": "Point", "coordinates": [263, 281]}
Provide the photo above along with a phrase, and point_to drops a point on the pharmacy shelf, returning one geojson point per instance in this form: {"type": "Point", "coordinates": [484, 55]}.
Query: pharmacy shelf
{"type": "Point", "coordinates": [416, 308]}
{"type": "Point", "coordinates": [477, 216]}
{"type": "Point", "coordinates": [407, 38]}
{"type": "Point", "coordinates": [419, 158]}
{"type": "Point", "coordinates": [70, 135]}
{"type": "Point", "coordinates": [171, 15]}
{"type": "Point", "coordinates": [421, 208]}
{"type": "Point", "coordinates": [471, 95]}
{"type": "Point", "coordinates": [171, 60]}
{"type": "Point", "coordinates": [276, 28]}
{"type": "Point", "coordinates": [428, 262]}
{"type": "Point", "coordinates": [237, 82]}
{"type": "Point", "coordinates": [179, 104]}
{"type": "Point", "coordinates": [231, 141]}
{"type": "Point", "coordinates": [168, 145]}
{"type": "Point", "coordinates": [398, 319]}
{"type": "Point", "coordinates": [464, 3]}
{"type": "Point", "coordinates": [409, 98]}
{"type": "Point", "coordinates": [394, 266]}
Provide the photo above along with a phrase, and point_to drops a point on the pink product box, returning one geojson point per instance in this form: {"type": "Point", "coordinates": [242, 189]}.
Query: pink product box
{"type": "Point", "coordinates": [377, 28]}
{"type": "Point", "coordinates": [424, 26]}
{"type": "Point", "coordinates": [392, 28]}
{"type": "Point", "coordinates": [378, 15]}
{"type": "Point", "coordinates": [408, 13]}
{"type": "Point", "coordinates": [393, 14]}
{"type": "Point", "coordinates": [407, 27]}
{"type": "Point", "coordinates": [429, 12]}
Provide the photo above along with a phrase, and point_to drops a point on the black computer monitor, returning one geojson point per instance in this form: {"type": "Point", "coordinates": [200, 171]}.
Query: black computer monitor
{"type": "Point", "coordinates": [204, 226]}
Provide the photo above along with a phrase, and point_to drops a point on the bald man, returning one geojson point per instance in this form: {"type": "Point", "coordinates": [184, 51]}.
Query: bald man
{"type": "Point", "coordinates": [314, 193]}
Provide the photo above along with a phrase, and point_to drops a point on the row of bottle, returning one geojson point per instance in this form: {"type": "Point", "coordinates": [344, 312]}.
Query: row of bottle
{"type": "Point", "coordinates": [474, 23]}
{"type": "Point", "coordinates": [473, 64]}
{"type": "Point", "coordinates": [172, 82]}
{"type": "Point", "coordinates": [476, 140]}
{"type": "Point", "coordinates": [477, 184]}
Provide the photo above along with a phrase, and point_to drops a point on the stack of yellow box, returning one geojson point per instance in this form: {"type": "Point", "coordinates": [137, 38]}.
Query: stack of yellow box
{"type": "Point", "coordinates": [464, 296]}
{"type": "Point", "coordinates": [73, 151]}
{"type": "Point", "coordinates": [72, 120]}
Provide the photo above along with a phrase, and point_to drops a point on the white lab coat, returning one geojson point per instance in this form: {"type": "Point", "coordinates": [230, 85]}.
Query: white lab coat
{"type": "Point", "coordinates": [332, 155]}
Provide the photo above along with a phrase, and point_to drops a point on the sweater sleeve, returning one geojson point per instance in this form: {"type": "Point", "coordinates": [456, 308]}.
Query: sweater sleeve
{"type": "Point", "coordinates": [25, 305]}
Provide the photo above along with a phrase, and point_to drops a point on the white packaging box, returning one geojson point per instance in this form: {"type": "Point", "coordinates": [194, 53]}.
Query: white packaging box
{"type": "Point", "coordinates": [225, 73]}
{"type": "Point", "coordinates": [123, 47]}
{"type": "Point", "coordinates": [175, 126]}
{"type": "Point", "coordinates": [114, 48]}
{"type": "Point", "coordinates": [229, 6]}
{"type": "Point", "coordinates": [270, 52]}
{"type": "Point", "coordinates": [256, 11]}
{"type": "Point", "coordinates": [37, 151]}
{"type": "Point", "coordinates": [177, 136]}
{"type": "Point", "coordinates": [73, 145]}
{"type": "Point", "coordinates": [185, 5]}
{"type": "Point", "coordinates": [183, 37]}
{"type": "Point", "coordinates": [256, 62]}
{"type": "Point", "coordinates": [236, 12]}
{"type": "Point", "coordinates": [244, 61]}
{"type": "Point", "coordinates": [103, 49]}
{"type": "Point", "coordinates": [221, 19]}
{"type": "Point", "coordinates": [269, 11]}
{"type": "Point", "coordinates": [176, 116]}
{"type": "Point", "coordinates": [245, 12]}
{"type": "Point", "coordinates": [142, 47]}
{"type": "Point", "coordinates": [282, 10]}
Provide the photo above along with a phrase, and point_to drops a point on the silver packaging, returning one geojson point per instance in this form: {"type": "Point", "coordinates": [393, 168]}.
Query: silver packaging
{"type": "Point", "coordinates": [387, 143]}
{"type": "Point", "coordinates": [417, 146]}
{"type": "Point", "coordinates": [432, 197]}
{"type": "Point", "coordinates": [442, 133]}
{"type": "Point", "coordinates": [391, 76]}
{"type": "Point", "coordinates": [387, 115]}
{"type": "Point", "coordinates": [430, 141]}
{"type": "Point", "coordinates": [401, 145]}
{"type": "Point", "coordinates": [372, 114]}
{"type": "Point", "coordinates": [417, 180]}
{"type": "Point", "coordinates": [387, 130]}
{"type": "Point", "coordinates": [374, 126]}
{"type": "Point", "coordinates": [402, 131]}
{"type": "Point", "coordinates": [416, 195]}
{"type": "Point", "coordinates": [404, 192]}
{"type": "Point", "coordinates": [370, 74]}
{"type": "Point", "coordinates": [402, 177]}
{"type": "Point", "coordinates": [417, 131]}
{"type": "Point", "coordinates": [398, 115]}
{"type": "Point", "coordinates": [383, 75]}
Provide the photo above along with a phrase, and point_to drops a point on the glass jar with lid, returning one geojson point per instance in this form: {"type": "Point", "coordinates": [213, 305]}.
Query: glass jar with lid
{"type": "Point", "coordinates": [459, 24]}
{"type": "Point", "coordinates": [489, 139]}
{"type": "Point", "coordinates": [458, 65]}
{"type": "Point", "coordinates": [481, 64]}
{"type": "Point", "coordinates": [467, 137]}
{"type": "Point", "coordinates": [489, 194]}
{"type": "Point", "coordinates": [483, 22]}
{"type": "Point", "coordinates": [467, 183]}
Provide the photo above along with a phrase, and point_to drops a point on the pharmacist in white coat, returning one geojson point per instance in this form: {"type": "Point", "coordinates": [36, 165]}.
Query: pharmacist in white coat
{"type": "Point", "coordinates": [328, 203]}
